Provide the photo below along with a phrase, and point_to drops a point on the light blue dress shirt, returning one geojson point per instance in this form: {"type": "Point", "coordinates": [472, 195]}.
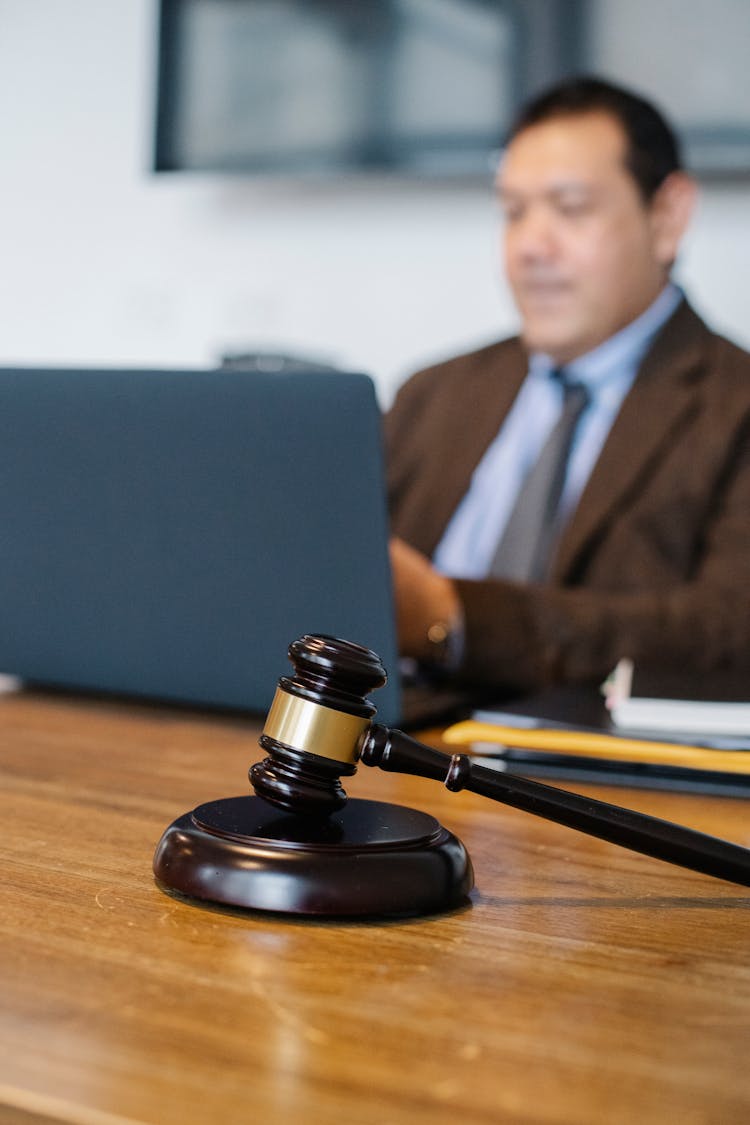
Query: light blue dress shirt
{"type": "Point", "coordinates": [468, 544]}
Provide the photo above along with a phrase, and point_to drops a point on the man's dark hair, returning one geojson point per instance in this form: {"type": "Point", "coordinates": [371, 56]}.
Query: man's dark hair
{"type": "Point", "coordinates": [652, 149]}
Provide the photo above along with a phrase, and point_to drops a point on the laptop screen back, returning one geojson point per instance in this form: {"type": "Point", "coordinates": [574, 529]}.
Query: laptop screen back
{"type": "Point", "coordinates": [167, 534]}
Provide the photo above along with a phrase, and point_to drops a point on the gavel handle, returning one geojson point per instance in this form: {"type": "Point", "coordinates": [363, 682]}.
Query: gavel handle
{"type": "Point", "coordinates": [395, 751]}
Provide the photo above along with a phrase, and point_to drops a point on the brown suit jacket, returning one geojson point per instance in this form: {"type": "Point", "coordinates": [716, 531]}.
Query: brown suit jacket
{"type": "Point", "coordinates": [655, 562]}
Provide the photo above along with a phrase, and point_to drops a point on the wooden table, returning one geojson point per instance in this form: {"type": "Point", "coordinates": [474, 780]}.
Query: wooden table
{"type": "Point", "coordinates": [582, 983]}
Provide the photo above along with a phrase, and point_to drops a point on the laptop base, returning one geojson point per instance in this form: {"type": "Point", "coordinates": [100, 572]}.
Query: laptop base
{"type": "Point", "coordinates": [369, 859]}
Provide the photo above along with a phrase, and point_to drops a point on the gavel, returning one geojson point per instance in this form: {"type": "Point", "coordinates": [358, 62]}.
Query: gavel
{"type": "Point", "coordinates": [305, 849]}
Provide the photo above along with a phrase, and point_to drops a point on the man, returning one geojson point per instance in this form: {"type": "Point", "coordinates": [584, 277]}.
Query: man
{"type": "Point", "coordinates": [647, 550]}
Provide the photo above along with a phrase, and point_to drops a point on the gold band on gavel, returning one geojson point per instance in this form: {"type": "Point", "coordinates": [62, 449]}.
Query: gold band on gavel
{"type": "Point", "coordinates": [304, 725]}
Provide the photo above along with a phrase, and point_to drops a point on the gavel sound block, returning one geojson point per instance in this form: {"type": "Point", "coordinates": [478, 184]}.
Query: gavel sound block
{"type": "Point", "coordinates": [299, 847]}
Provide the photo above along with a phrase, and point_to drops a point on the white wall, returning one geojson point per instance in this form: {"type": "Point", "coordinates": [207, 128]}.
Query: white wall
{"type": "Point", "coordinates": [102, 261]}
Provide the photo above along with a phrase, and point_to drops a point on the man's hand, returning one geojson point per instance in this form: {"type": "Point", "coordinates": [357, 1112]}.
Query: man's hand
{"type": "Point", "coordinates": [425, 600]}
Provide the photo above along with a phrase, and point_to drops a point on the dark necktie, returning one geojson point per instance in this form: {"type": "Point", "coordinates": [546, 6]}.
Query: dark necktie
{"type": "Point", "coordinates": [525, 548]}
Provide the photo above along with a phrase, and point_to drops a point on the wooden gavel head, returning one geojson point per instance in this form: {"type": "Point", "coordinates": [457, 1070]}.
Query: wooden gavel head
{"type": "Point", "coordinates": [316, 853]}
{"type": "Point", "coordinates": [316, 725]}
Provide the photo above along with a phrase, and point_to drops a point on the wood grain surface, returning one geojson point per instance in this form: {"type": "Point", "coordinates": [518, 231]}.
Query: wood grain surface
{"type": "Point", "coordinates": [581, 983]}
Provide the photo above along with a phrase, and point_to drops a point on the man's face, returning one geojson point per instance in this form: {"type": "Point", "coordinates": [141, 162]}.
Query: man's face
{"type": "Point", "coordinates": [584, 254]}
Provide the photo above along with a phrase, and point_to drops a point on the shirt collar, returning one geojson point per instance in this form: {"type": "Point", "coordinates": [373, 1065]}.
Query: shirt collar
{"type": "Point", "coordinates": [621, 352]}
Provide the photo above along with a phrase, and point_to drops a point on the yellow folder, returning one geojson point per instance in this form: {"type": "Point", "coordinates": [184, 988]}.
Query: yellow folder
{"type": "Point", "coordinates": [588, 744]}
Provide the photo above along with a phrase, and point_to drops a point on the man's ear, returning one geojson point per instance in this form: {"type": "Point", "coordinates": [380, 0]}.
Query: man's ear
{"type": "Point", "coordinates": [671, 210]}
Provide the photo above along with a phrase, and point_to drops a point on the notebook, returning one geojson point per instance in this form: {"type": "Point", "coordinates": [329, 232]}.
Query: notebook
{"type": "Point", "coordinates": [644, 701]}
{"type": "Point", "coordinates": [167, 534]}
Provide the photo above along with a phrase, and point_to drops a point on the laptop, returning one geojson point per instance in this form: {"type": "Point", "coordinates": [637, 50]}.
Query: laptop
{"type": "Point", "coordinates": [167, 534]}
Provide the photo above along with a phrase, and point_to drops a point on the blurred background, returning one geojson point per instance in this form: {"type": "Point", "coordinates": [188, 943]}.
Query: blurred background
{"type": "Point", "coordinates": [185, 179]}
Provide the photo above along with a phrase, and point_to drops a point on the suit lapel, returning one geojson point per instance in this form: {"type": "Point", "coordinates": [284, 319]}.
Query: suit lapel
{"type": "Point", "coordinates": [490, 390]}
{"type": "Point", "coordinates": [663, 393]}
{"type": "Point", "coordinates": [480, 415]}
